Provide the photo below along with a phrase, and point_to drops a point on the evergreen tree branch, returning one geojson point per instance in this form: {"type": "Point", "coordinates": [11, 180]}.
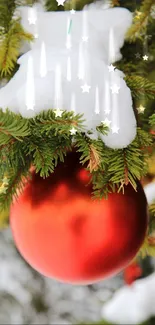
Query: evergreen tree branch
{"type": "Point", "coordinates": [140, 21]}
{"type": "Point", "coordinates": [114, 3]}
{"type": "Point", "coordinates": [140, 86]}
{"type": "Point", "coordinates": [45, 139]}
{"type": "Point", "coordinates": [10, 46]}
{"type": "Point", "coordinates": [12, 128]}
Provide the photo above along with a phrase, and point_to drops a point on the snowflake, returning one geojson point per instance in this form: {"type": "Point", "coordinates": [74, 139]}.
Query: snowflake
{"type": "Point", "coordinates": [153, 12]}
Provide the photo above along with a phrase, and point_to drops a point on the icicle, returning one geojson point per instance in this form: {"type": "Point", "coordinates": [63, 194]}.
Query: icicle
{"type": "Point", "coordinates": [97, 104]}
{"type": "Point", "coordinates": [107, 99]}
{"type": "Point", "coordinates": [69, 41]}
{"type": "Point", "coordinates": [32, 15]}
{"type": "Point", "coordinates": [58, 88]}
{"type": "Point", "coordinates": [73, 102]}
{"type": "Point", "coordinates": [85, 35]}
{"type": "Point", "coordinates": [115, 114]}
{"type": "Point", "coordinates": [69, 74]}
{"type": "Point", "coordinates": [112, 54]}
{"type": "Point", "coordinates": [43, 64]}
{"type": "Point", "coordinates": [81, 66]}
{"type": "Point", "coordinates": [30, 89]}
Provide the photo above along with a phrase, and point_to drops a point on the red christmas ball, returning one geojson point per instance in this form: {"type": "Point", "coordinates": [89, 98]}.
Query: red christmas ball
{"type": "Point", "coordinates": [64, 234]}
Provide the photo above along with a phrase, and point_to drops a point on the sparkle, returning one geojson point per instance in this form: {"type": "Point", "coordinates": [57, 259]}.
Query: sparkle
{"type": "Point", "coordinates": [115, 89]}
{"type": "Point", "coordinates": [141, 109]}
{"type": "Point", "coordinates": [85, 38]}
{"type": "Point", "coordinates": [138, 14]}
{"type": "Point", "coordinates": [145, 57]}
{"type": "Point", "coordinates": [85, 88]}
{"type": "Point", "coordinates": [111, 68]}
{"type": "Point", "coordinates": [32, 20]}
{"type": "Point", "coordinates": [60, 2]}
{"type": "Point", "coordinates": [72, 12]}
{"type": "Point", "coordinates": [107, 111]}
{"type": "Point", "coordinates": [137, 55]}
{"type": "Point", "coordinates": [5, 181]}
{"type": "Point", "coordinates": [2, 189]}
{"type": "Point", "coordinates": [58, 112]}
{"type": "Point", "coordinates": [106, 122]}
{"type": "Point", "coordinates": [32, 16]}
{"type": "Point", "coordinates": [73, 131]}
{"type": "Point", "coordinates": [115, 129]}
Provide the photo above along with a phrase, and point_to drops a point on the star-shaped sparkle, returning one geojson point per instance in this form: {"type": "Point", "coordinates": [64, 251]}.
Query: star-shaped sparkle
{"type": "Point", "coordinates": [85, 38]}
{"type": "Point", "coordinates": [145, 57]}
{"type": "Point", "coordinates": [2, 189]}
{"type": "Point", "coordinates": [115, 89]}
{"type": "Point", "coordinates": [141, 109]}
{"type": "Point", "coordinates": [111, 68]}
{"type": "Point", "coordinates": [85, 88]}
{"type": "Point", "coordinates": [106, 122]}
{"type": "Point", "coordinates": [138, 14]}
{"type": "Point", "coordinates": [72, 12]}
{"type": "Point", "coordinates": [115, 129]}
{"type": "Point", "coordinates": [60, 2]}
{"type": "Point", "coordinates": [107, 111]}
{"type": "Point", "coordinates": [32, 20]}
{"type": "Point", "coordinates": [58, 112]}
{"type": "Point", "coordinates": [73, 131]}
{"type": "Point", "coordinates": [5, 181]}
{"type": "Point", "coordinates": [137, 55]}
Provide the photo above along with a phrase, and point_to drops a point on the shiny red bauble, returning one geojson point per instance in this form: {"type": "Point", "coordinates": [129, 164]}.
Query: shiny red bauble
{"type": "Point", "coordinates": [65, 234]}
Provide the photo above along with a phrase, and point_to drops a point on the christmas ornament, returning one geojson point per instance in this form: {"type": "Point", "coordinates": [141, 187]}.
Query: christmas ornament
{"type": "Point", "coordinates": [132, 273]}
{"type": "Point", "coordinates": [65, 234]}
{"type": "Point", "coordinates": [83, 47]}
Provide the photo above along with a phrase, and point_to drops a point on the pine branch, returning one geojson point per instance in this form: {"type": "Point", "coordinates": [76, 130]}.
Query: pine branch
{"type": "Point", "coordinates": [16, 183]}
{"type": "Point", "coordinates": [46, 154]}
{"type": "Point", "coordinates": [47, 124]}
{"type": "Point", "coordinates": [7, 8]}
{"type": "Point", "coordinates": [140, 21]}
{"type": "Point", "coordinates": [148, 248]}
{"type": "Point", "coordinates": [52, 5]}
{"type": "Point", "coordinates": [12, 128]}
{"type": "Point", "coordinates": [114, 3]}
{"type": "Point", "coordinates": [44, 140]}
{"type": "Point", "coordinates": [140, 87]}
{"type": "Point", "coordinates": [152, 218]}
{"type": "Point", "coordinates": [10, 46]}
{"type": "Point", "coordinates": [76, 4]}
{"type": "Point", "coordinates": [152, 120]}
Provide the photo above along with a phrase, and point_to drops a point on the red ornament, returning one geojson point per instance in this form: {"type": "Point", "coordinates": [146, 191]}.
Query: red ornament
{"type": "Point", "coordinates": [132, 273]}
{"type": "Point", "coordinates": [65, 234]}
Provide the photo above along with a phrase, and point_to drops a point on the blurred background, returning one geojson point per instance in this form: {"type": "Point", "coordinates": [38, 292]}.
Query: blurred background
{"type": "Point", "coordinates": [26, 297]}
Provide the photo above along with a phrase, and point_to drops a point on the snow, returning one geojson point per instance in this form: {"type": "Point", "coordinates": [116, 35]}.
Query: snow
{"type": "Point", "coordinates": [150, 192]}
{"type": "Point", "coordinates": [96, 55]}
{"type": "Point", "coordinates": [132, 304]}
